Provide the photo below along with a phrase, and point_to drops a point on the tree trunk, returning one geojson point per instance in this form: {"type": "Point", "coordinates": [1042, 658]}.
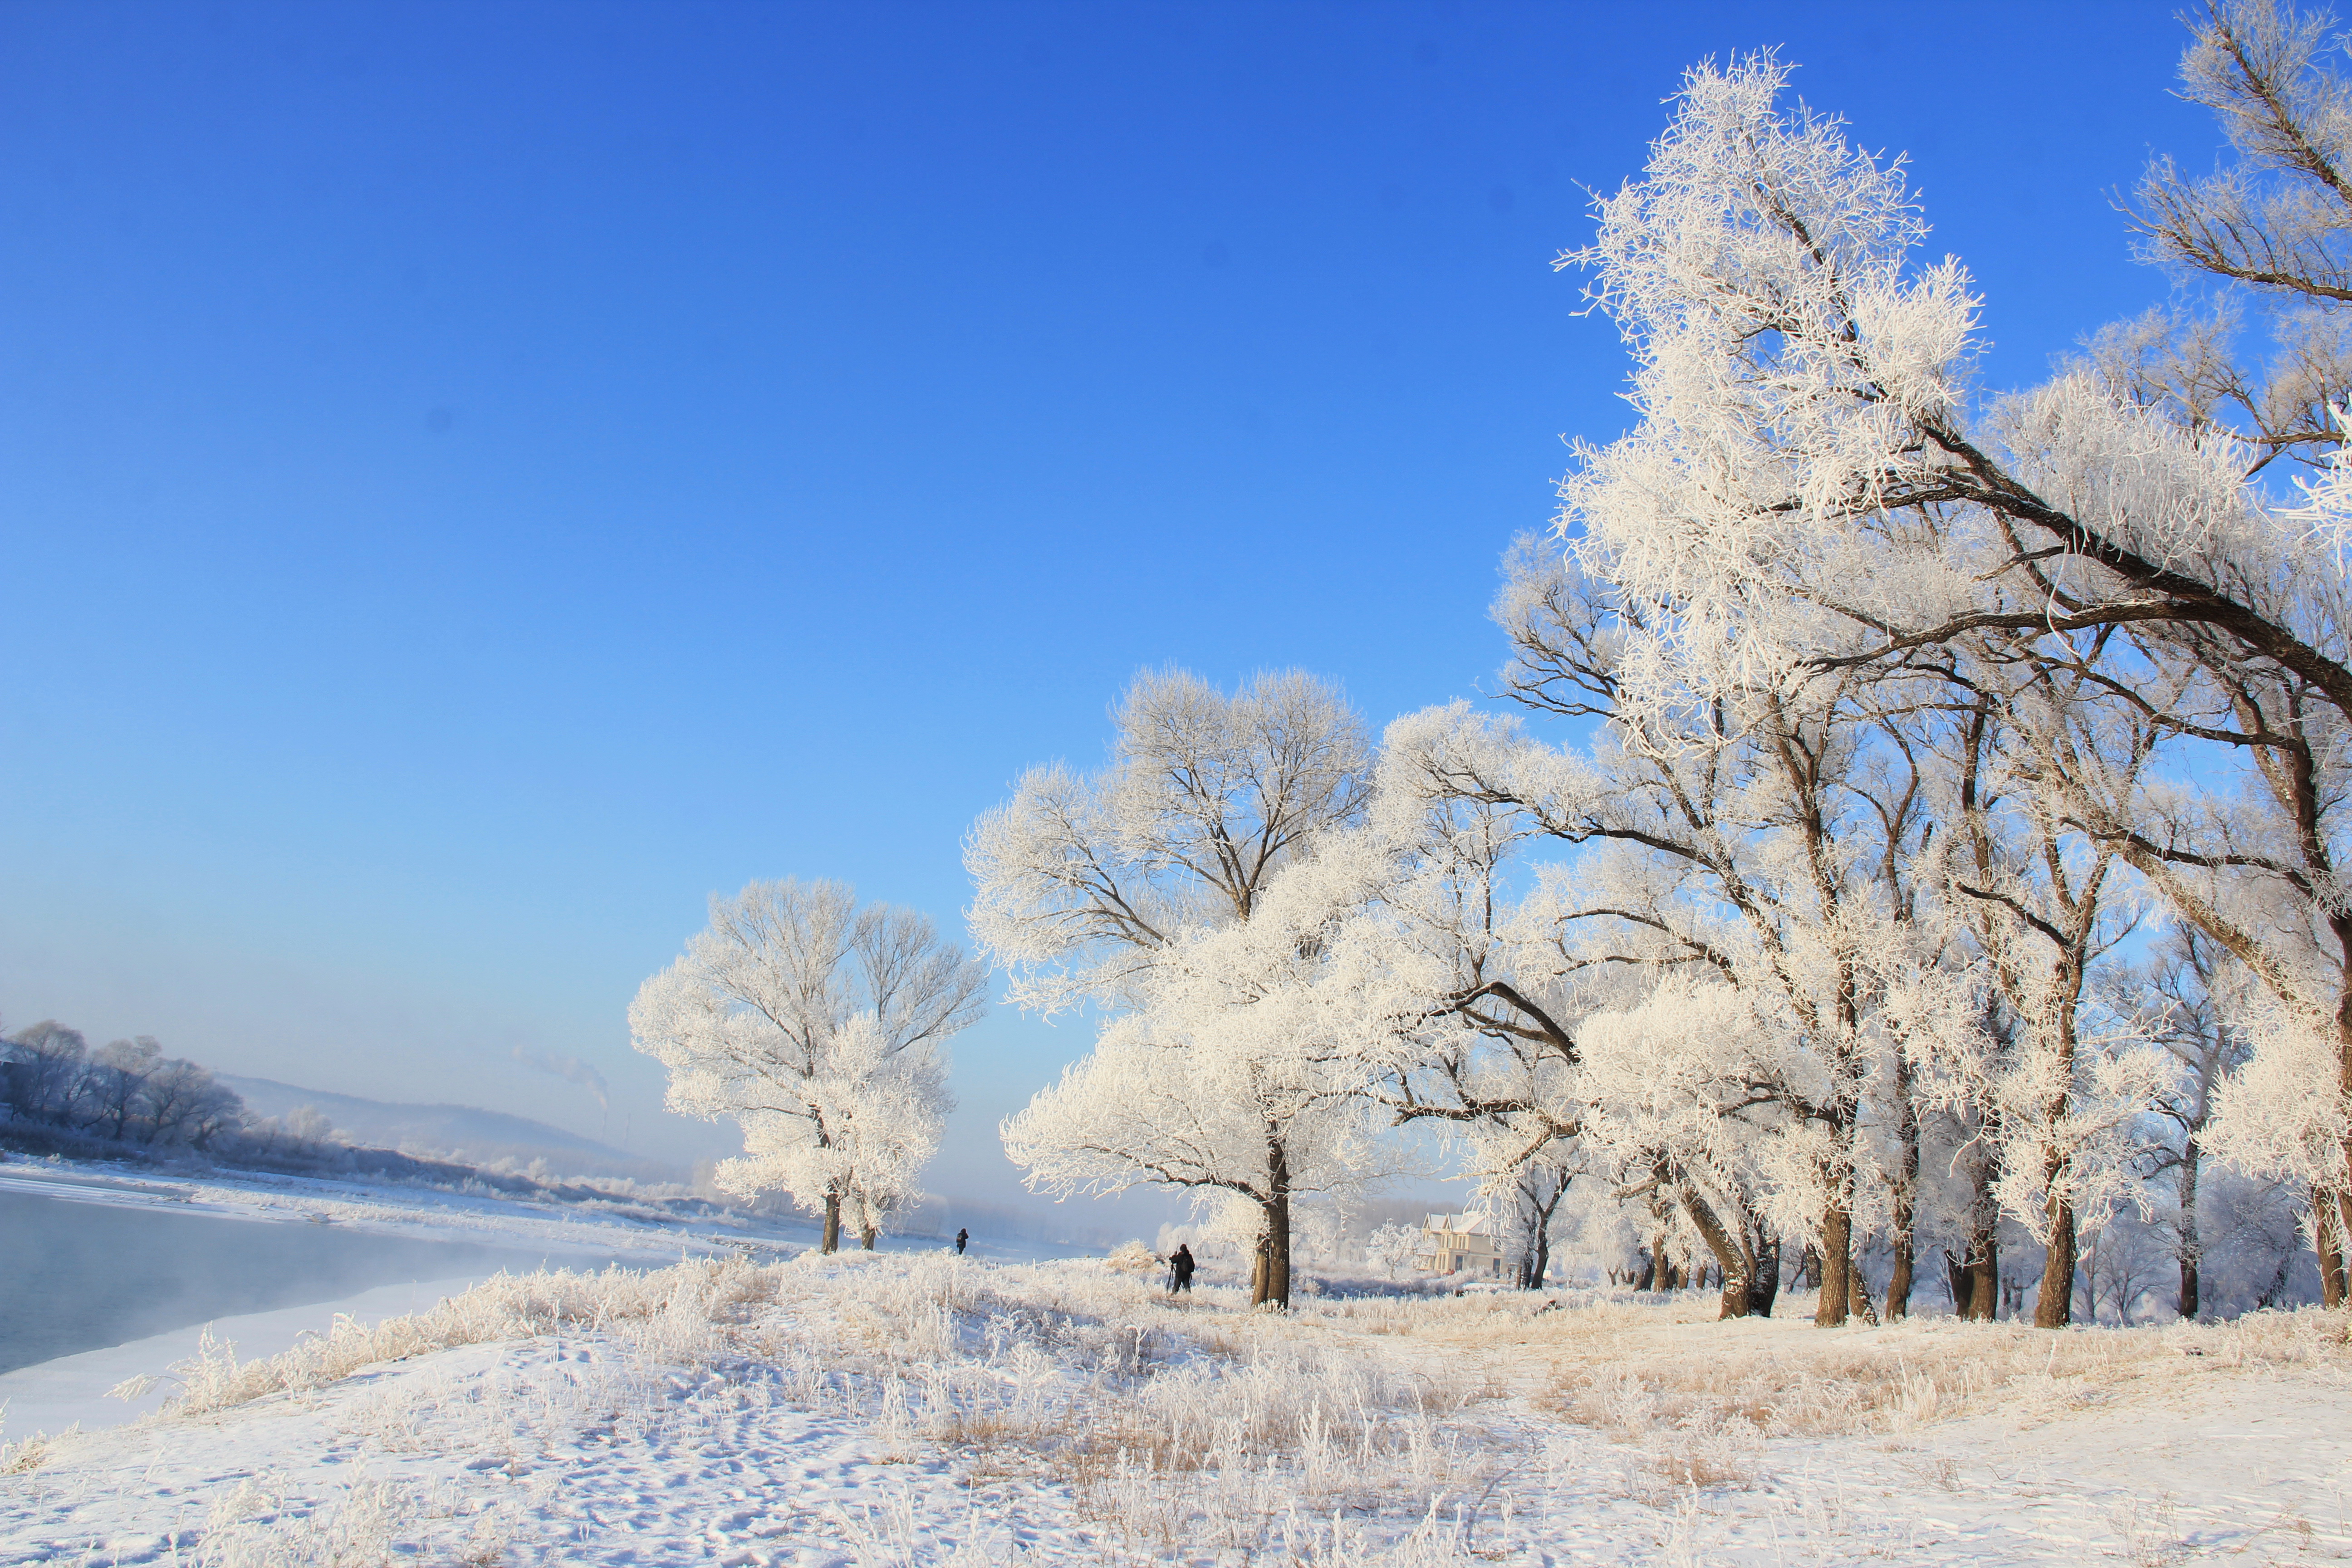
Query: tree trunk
{"type": "Point", "coordinates": [2327, 1237]}
{"type": "Point", "coordinates": [2191, 1244]}
{"type": "Point", "coordinates": [1808, 1267]}
{"type": "Point", "coordinates": [1271, 1286]}
{"type": "Point", "coordinates": [1733, 1262]}
{"type": "Point", "coordinates": [2334, 1283]}
{"type": "Point", "coordinates": [1764, 1287]}
{"type": "Point", "coordinates": [1273, 1282]}
{"type": "Point", "coordinates": [1984, 1296]}
{"type": "Point", "coordinates": [1907, 1196]}
{"type": "Point", "coordinates": [831, 1242]}
{"type": "Point", "coordinates": [1858, 1297]}
{"type": "Point", "coordinates": [1976, 1275]}
{"type": "Point", "coordinates": [2055, 1307]}
{"type": "Point", "coordinates": [1541, 1264]}
{"type": "Point", "coordinates": [1976, 1278]}
{"type": "Point", "coordinates": [1837, 1265]}
{"type": "Point", "coordinates": [868, 1235]}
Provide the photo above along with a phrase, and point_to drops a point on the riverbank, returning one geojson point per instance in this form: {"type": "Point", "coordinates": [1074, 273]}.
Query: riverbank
{"type": "Point", "coordinates": [920, 1409]}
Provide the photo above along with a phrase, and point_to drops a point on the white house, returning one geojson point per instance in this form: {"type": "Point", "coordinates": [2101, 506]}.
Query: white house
{"type": "Point", "coordinates": [1459, 1244]}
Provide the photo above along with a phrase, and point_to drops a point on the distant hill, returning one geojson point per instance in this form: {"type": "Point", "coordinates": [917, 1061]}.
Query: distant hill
{"type": "Point", "coordinates": [458, 1131]}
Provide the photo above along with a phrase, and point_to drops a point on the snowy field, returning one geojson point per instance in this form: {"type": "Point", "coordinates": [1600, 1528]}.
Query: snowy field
{"type": "Point", "coordinates": [913, 1408]}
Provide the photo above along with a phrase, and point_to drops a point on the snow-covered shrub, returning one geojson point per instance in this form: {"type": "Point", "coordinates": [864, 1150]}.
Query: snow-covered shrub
{"type": "Point", "coordinates": [1133, 1258]}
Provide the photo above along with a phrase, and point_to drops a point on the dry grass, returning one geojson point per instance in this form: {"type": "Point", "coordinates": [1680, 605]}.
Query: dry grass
{"type": "Point", "coordinates": [1631, 1376]}
{"type": "Point", "coordinates": [28, 1454]}
{"type": "Point", "coordinates": [677, 1312]}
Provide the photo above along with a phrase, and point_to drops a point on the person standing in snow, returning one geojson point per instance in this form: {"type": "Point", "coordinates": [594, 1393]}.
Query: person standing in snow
{"type": "Point", "coordinates": [1180, 1269]}
{"type": "Point", "coordinates": [962, 1237]}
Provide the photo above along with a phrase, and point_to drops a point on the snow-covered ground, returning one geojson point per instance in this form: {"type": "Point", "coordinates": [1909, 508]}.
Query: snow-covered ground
{"type": "Point", "coordinates": [912, 1408]}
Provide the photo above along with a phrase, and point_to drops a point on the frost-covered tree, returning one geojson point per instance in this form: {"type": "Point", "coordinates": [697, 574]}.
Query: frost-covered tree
{"type": "Point", "coordinates": [1390, 1248]}
{"type": "Point", "coordinates": [118, 1083]}
{"type": "Point", "coordinates": [1743, 840]}
{"type": "Point", "coordinates": [1081, 879]}
{"type": "Point", "coordinates": [1815, 489]}
{"type": "Point", "coordinates": [1133, 889]}
{"type": "Point", "coordinates": [1230, 1074]}
{"type": "Point", "coordinates": [44, 1070]}
{"type": "Point", "coordinates": [182, 1104]}
{"type": "Point", "coordinates": [2270, 231]}
{"type": "Point", "coordinates": [2203, 992]}
{"type": "Point", "coordinates": [2057, 1083]}
{"type": "Point", "coordinates": [821, 1028]}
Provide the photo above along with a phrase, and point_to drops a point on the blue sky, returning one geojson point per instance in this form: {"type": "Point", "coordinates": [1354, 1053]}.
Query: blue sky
{"type": "Point", "coordinates": [475, 479]}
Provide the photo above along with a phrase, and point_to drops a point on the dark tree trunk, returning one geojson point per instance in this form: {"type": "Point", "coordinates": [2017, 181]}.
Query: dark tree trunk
{"type": "Point", "coordinates": [1907, 1195]}
{"type": "Point", "coordinates": [1764, 1288]}
{"type": "Point", "coordinates": [1735, 1264]}
{"type": "Point", "coordinates": [1858, 1294]}
{"type": "Point", "coordinates": [2055, 1307]}
{"type": "Point", "coordinates": [2328, 1236]}
{"type": "Point", "coordinates": [867, 1234]}
{"type": "Point", "coordinates": [1272, 1284]}
{"type": "Point", "coordinates": [831, 1242]}
{"type": "Point", "coordinates": [1649, 1279]}
{"type": "Point", "coordinates": [1808, 1267]}
{"type": "Point", "coordinates": [2191, 1244]}
{"type": "Point", "coordinates": [1276, 1253]}
{"type": "Point", "coordinates": [1976, 1275]}
{"type": "Point", "coordinates": [1984, 1296]}
{"type": "Point", "coordinates": [1539, 1259]}
{"type": "Point", "coordinates": [1837, 1265]}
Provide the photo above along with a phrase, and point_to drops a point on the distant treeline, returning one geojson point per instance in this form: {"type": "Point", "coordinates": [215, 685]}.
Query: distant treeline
{"type": "Point", "coordinates": [128, 1092]}
{"type": "Point", "coordinates": [127, 1098]}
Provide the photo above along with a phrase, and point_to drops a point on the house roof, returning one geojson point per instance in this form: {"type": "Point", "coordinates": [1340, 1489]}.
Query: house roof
{"type": "Point", "coordinates": [1459, 1224]}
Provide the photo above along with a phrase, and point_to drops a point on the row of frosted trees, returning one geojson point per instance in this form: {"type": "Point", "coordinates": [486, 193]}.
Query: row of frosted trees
{"type": "Point", "coordinates": [1952, 833]}
{"type": "Point", "coordinates": [1947, 847]}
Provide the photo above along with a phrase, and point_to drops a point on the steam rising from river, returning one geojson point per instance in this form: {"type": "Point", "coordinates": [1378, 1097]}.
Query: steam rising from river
{"type": "Point", "coordinates": [79, 1276]}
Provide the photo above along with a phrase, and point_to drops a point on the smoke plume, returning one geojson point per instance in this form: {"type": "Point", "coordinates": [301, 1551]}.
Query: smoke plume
{"type": "Point", "coordinates": [571, 1068]}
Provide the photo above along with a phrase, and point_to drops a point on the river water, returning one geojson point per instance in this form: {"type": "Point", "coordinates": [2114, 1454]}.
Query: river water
{"type": "Point", "coordinates": [77, 1276]}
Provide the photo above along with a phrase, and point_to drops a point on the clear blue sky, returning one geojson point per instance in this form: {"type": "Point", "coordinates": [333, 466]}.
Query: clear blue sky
{"type": "Point", "coordinates": [474, 479]}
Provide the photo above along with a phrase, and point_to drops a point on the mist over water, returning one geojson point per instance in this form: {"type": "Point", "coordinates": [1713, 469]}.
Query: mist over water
{"type": "Point", "coordinates": [78, 1277]}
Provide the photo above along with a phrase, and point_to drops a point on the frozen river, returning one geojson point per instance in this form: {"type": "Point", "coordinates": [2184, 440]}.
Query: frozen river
{"type": "Point", "coordinates": [78, 1275]}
